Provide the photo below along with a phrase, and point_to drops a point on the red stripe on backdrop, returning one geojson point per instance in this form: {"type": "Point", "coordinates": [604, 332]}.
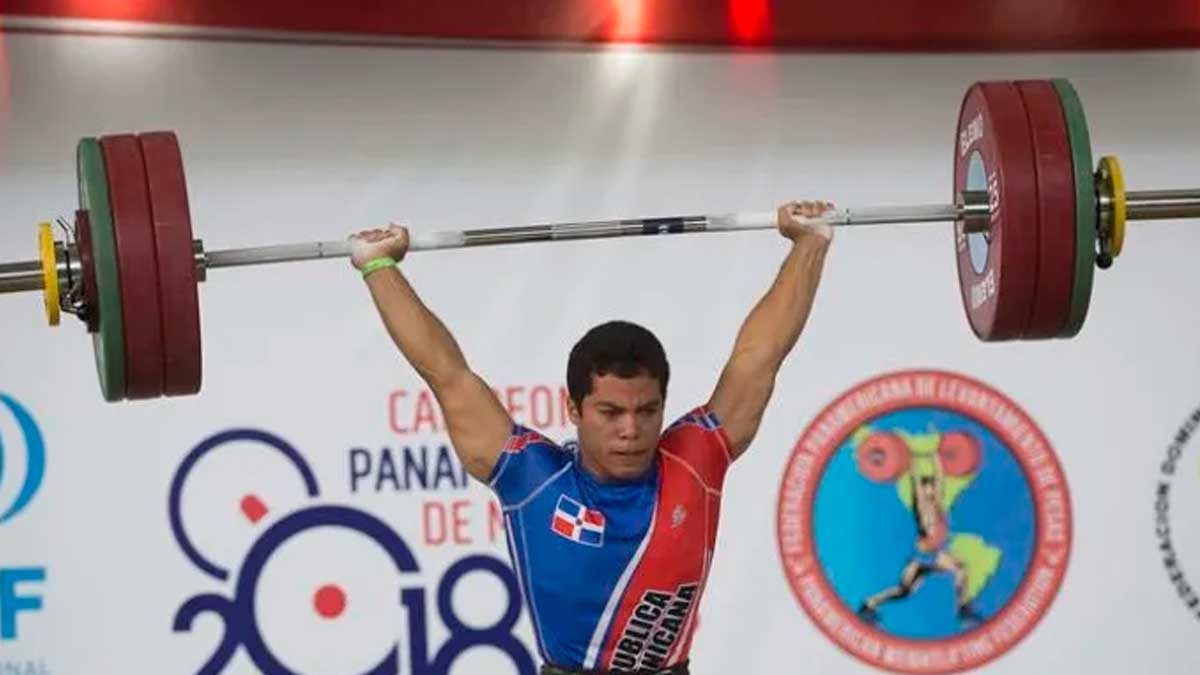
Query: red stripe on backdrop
{"type": "Point", "coordinates": [852, 25]}
{"type": "Point", "coordinates": [4, 94]}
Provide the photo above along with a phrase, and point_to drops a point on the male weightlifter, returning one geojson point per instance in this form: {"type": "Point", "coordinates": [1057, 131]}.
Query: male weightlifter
{"type": "Point", "coordinates": [611, 536]}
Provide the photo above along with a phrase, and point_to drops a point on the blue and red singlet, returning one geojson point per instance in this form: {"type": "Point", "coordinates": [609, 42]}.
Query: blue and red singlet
{"type": "Point", "coordinates": [612, 573]}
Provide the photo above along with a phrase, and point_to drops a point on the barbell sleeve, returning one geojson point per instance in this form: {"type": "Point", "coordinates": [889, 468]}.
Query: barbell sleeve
{"type": "Point", "coordinates": [20, 276]}
{"type": "Point", "coordinates": [1162, 204]}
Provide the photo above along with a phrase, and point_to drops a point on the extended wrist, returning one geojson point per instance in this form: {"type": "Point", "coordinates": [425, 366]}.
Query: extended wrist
{"type": "Point", "coordinates": [375, 264]}
{"type": "Point", "coordinates": [813, 239]}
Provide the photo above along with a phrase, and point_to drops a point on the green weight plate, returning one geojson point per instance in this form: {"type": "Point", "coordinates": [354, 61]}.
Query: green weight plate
{"type": "Point", "coordinates": [1085, 206]}
{"type": "Point", "coordinates": [109, 342]}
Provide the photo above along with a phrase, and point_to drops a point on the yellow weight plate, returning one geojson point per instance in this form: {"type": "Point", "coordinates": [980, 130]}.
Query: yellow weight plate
{"type": "Point", "coordinates": [1118, 202]}
{"type": "Point", "coordinates": [49, 272]}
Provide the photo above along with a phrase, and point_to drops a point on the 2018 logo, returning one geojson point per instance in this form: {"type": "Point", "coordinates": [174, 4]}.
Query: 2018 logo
{"type": "Point", "coordinates": [284, 602]}
{"type": "Point", "coordinates": [924, 522]}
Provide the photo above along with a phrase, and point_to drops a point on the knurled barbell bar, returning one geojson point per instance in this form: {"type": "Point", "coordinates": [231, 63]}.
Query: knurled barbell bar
{"type": "Point", "coordinates": [1032, 219]}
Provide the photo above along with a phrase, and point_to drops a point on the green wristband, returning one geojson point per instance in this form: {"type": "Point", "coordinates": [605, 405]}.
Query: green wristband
{"type": "Point", "coordinates": [377, 264]}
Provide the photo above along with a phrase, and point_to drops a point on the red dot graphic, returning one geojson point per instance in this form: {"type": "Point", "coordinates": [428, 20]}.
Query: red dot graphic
{"type": "Point", "coordinates": [253, 508]}
{"type": "Point", "coordinates": [330, 601]}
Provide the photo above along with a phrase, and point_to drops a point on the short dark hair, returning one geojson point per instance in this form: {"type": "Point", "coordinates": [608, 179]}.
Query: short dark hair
{"type": "Point", "coordinates": [619, 348]}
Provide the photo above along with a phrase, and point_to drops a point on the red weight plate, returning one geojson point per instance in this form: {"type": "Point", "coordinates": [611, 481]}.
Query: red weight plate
{"type": "Point", "coordinates": [959, 453]}
{"type": "Point", "coordinates": [137, 261]}
{"type": "Point", "coordinates": [87, 266]}
{"type": "Point", "coordinates": [1056, 209]}
{"type": "Point", "coordinates": [883, 457]}
{"type": "Point", "coordinates": [177, 277]}
{"type": "Point", "coordinates": [994, 153]}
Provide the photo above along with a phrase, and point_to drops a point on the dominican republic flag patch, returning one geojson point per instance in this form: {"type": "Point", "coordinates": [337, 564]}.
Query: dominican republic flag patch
{"type": "Point", "coordinates": [578, 523]}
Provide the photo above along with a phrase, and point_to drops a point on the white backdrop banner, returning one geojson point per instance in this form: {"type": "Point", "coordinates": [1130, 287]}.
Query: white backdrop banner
{"type": "Point", "coordinates": [306, 513]}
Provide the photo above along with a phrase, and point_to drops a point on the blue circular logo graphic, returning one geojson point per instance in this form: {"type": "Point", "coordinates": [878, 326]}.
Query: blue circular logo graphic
{"type": "Point", "coordinates": [939, 584]}
{"type": "Point", "coordinates": [924, 522]}
{"type": "Point", "coordinates": [35, 457]}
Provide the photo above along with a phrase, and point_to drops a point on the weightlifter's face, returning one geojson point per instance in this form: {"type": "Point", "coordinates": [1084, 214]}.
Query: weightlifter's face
{"type": "Point", "coordinates": [619, 425]}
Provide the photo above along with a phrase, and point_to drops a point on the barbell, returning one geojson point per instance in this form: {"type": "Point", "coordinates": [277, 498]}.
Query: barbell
{"type": "Point", "coordinates": [884, 456]}
{"type": "Point", "coordinates": [1032, 219]}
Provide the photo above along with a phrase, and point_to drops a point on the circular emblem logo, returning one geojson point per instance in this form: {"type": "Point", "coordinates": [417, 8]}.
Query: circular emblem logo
{"type": "Point", "coordinates": [1176, 498]}
{"type": "Point", "coordinates": [924, 522]}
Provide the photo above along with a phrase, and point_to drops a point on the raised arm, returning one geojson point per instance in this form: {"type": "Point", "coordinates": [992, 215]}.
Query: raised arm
{"type": "Point", "coordinates": [773, 326]}
{"type": "Point", "coordinates": [478, 425]}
